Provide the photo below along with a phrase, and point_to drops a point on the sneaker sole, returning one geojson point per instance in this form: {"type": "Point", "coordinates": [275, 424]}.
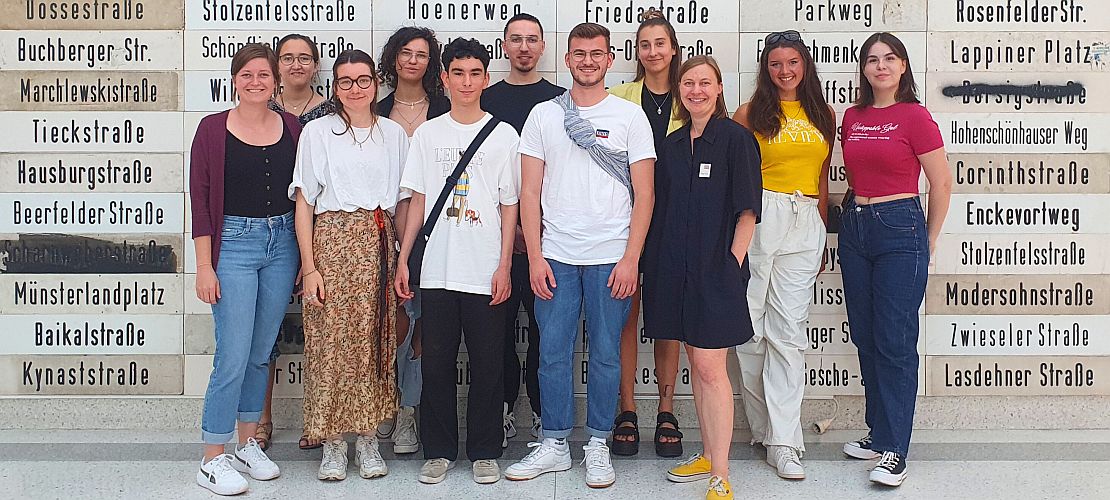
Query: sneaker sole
{"type": "Point", "coordinates": [887, 479]}
{"type": "Point", "coordinates": [239, 466]}
{"type": "Point", "coordinates": [674, 478]}
{"type": "Point", "coordinates": [432, 480]}
{"type": "Point", "coordinates": [860, 453]}
{"type": "Point", "coordinates": [557, 468]}
{"type": "Point", "coordinates": [330, 477]}
{"type": "Point", "coordinates": [786, 475]}
{"type": "Point", "coordinates": [600, 485]}
{"type": "Point", "coordinates": [204, 483]}
{"type": "Point", "coordinates": [487, 480]}
{"type": "Point", "coordinates": [372, 474]}
{"type": "Point", "coordinates": [405, 449]}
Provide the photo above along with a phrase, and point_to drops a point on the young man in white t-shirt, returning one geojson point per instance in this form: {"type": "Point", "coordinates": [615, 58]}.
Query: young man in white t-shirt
{"type": "Point", "coordinates": [590, 248]}
{"type": "Point", "coordinates": [465, 272]}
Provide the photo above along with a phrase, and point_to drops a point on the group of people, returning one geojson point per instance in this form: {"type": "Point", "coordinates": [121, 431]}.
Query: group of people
{"type": "Point", "coordinates": [416, 222]}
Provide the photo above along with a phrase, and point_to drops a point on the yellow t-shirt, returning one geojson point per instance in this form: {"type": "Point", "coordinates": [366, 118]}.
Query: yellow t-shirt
{"type": "Point", "coordinates": [792, 160]}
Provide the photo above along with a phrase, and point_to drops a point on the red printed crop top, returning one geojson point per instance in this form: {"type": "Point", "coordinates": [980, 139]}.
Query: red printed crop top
{"type": "Point", "coordinates": [881, 146]}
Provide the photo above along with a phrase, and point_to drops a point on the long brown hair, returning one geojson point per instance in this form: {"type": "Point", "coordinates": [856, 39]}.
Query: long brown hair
{"type": "Point", "coordinates": [765, 109]}
{"type": "Point", "coordinates": [654, 17]}
{"type": "Point", "coordinates": [352, 56]}
{"type": "Point", "coordinates": [907, 89]}
{"type": "Point", "coordinates": [719, 110]}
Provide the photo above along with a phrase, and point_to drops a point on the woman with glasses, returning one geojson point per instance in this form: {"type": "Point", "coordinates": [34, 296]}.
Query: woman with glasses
{"type": "Point", "coordinates": [246, 252]}
{"type": "Point", "coordinates": [348, 174]}
{"type": "Point", "coordinates": [298, 65]}
{"type": "Point", "coordinates": [657, 63]}
{"type": "Point", "coordinates": [886, 241]}
{"type": "Point", "coordinates": [695, 267]}
{"type": "Point", "coordinates": [410, 65]}
{"type": "Point", "coordinates": [795, 129]}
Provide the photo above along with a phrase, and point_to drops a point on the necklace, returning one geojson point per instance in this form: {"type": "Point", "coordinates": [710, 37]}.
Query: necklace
{"type": "Point", "coordinates": [413, 103]}
{"type": "Point", "coordinates": [415, 117]}
{"type": "Point", "coordinates": [305, 105]}
{"type": "Point", "coordinates": [659, 105]}
{"type": "Point", "coordinates": [358, 142]}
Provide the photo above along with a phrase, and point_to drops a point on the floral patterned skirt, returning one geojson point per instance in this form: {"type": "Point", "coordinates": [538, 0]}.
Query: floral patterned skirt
{"type": "Point", "coordinates": [351, 343]}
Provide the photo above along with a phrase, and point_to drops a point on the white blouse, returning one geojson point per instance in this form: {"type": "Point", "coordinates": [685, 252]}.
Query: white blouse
{"type": "Point", "coordinates": [341, 172]}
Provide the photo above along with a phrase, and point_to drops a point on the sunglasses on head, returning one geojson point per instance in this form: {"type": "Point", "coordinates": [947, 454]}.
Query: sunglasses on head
{"type": "Point", "coordinates": [780, 36]}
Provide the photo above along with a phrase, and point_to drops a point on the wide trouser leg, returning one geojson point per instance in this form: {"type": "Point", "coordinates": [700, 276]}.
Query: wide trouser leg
{"type": "Point", "coordinates": [558, 319]}
{"type": "Point", "coordinates": [439, 423]}
{"type": "Point", "coordinates": [605, 317]}
{"type": "Point", "coordinates": [484, 333]}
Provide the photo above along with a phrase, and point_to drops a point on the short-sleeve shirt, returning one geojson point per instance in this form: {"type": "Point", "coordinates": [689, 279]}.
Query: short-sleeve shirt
{"type": "Point", "coordinates": [348, 170]}
{"type": "Point", "coordinates": [881, 146]}
{"type": "Point", "coordinates": [512, 103]}
{"type": "Point", "coordinates": [586, 212]}
{"type": "Point", "coordinates": [694, 287]}
{"type": "Point", "coordinates": [465, 247]}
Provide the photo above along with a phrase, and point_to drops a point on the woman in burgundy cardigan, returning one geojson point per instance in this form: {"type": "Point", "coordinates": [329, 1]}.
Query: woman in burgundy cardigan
{"type": "Point", "coordinates": [247, 260]}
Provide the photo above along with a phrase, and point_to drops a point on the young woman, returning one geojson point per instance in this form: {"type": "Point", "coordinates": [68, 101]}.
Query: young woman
{"type": "Point", "coordinates": [886, 241]}
{"type": "Point", "coordinates": [246, 253]}
{"type": "Point", "coordinates": [795, 128]}
{"type": "Point", "coordinates": [298, 65]}
{"type": "Point", "coordinates": [657, 65]}
{"type": "Point", "coordinates": [410, 65]}
{"type": "Point", "coordinates": [707, 191]}
{"type": "Point", "coordinates": [348, 172]}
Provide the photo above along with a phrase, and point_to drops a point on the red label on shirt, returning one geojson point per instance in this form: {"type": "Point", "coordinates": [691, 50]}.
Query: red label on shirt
{"type": "Point", "coordinates": [602, 134]}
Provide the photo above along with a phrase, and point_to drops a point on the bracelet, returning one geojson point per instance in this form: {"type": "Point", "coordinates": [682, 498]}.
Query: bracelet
{"type": "Point", "coordinates": [209, 264]}
{"type": "Point", "coordinates": [308, 273]}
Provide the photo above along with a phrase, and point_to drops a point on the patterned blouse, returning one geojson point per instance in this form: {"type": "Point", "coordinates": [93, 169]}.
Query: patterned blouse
{"type": "Point", "coordinates": [324, 108]}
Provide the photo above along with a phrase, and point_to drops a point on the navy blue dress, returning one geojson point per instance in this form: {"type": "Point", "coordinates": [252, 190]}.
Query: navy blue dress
{"type": "Point", "coordinates": [694, 289]}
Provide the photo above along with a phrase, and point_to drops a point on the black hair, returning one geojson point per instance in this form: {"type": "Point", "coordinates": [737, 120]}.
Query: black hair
{"type": "Point", "coordinates": [387, 65]}
{"type": "Point", "coordinates": [523, 16]}
{"type": "Point", "coordinates": [297, 36]}
{"type": "Point", "coordinates": [464, 48]}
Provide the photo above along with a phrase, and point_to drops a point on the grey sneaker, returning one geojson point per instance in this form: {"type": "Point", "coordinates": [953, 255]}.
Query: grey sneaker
{"type": "Point", "coordinates": [370, 463]}
{"type": "Point", "coordinates": [405, 437]}
{"type": "Point", "coordinates": [786, 461]}
{"type": "Point", "coordinates": [434, 471]}
{"type": "Point", "coordinates": [486, 471]}
{"type": "Point", "coordinates": [333, 465]}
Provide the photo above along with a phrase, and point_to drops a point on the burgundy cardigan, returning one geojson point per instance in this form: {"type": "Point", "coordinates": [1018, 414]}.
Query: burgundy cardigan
{"type": "Point", "coordinates": [206, 175]}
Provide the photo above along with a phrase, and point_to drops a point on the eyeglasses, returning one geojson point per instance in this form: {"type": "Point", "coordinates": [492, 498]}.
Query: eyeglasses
{"type": "Point", "coordinates": [517, 40]}
{"type": "Point", "coordinates": [408, 55]}
{"type": "Point", "coordinates": [778, 36]}
{"type": "Point", "coordinates": [364, 82]}
{"type": "Point", "coordinates": [304, 59]}
{"type": "Point", "coordinates": [595, 55]}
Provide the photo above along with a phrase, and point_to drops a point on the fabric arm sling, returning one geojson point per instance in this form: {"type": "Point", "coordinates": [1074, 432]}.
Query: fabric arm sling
{"type": "Point", "coordinates": [416, 257]}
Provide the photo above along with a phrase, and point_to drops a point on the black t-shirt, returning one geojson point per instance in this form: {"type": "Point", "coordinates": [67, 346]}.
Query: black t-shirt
{"type": "Point", "coordinates": [256, 177]}
{"type": "Point", "coordinates": [657, 107]}
{"type": "Point", "coordinates": [512, 103]}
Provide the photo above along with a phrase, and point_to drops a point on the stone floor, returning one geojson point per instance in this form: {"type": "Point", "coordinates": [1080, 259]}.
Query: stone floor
{"type": "Point", "coordinates": [944, 464]}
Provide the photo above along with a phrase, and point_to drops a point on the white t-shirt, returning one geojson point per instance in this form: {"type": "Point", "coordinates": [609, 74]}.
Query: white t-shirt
{"type": "Point", "coordinates": [586, 212]}
{"type": "Point", "coordinates": [335, 173]}
{"type": "Point", "coordinates": [465, 247]}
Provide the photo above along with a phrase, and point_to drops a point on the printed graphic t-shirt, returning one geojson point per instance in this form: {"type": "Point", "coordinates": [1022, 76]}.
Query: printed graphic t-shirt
{"type": "Point", "coordinates": [586, 212]}
{"type": "Point", "coordinates": [465, 247]}
{"type": "Point", "coordinates": [881, 146]}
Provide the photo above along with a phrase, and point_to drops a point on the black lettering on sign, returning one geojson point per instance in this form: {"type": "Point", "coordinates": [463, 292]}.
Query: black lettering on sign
{"type": "Point", "coordinates": [1017, 95]}
{"type": "Point", "coordinates": [1011, 11]}
{"type": "Point", "coordinates": [72, 133]}
{"type": "Point", "coordinates": [1075, 375]}
{"type": "Point", "coordinates": [1025, 254]}
{"type": "Point", "coordinates": [91, 10]}
{"type": "Point", "coordinates": [109, 89]}
{"type": "Point", "coordinates": [86, 334]}
{"type": "Point", "coordinates": [828, 376]}
{"type": "Point", "coordinates": [1019, 173]}
{"type": "Point", "coordinates": [839, 53]}
{"type": "Point", "coordinates": [689, 12]}
{"type": "Point", "coordinates": [828, 10]}
{"type": "Point", "coordinates": [280, 11]}
{"type": "Point", "coordinates": [461, 11]}
{"type": "Point", "coordinates": [1078, 294]}
{"type": "Point", "coordinates": [1043, 216]}
{"type": "Point", "coordinates": [1006, 132]}
{"type": "Point", "coordinates": [72, 254]}
{"type": "Point", "coordinates": [986, 377]}
{"type": "Point", "coordinates": [126, 294]}
{"type": "Point", "coordinates": [92, 375]}
{"type": "Point", "coordinates": [89, 176]}
{"type": "Point", "coordinates": [291, 332]}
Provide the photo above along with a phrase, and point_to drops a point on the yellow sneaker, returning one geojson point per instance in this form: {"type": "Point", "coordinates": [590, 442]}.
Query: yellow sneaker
{"type": "Point", "coordinates": [694, 468]}
{"type": "Point", "coordinates": [719, 489]}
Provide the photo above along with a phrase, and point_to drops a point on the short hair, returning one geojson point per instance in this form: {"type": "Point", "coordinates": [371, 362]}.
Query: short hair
{"type": "Point", "coordinates": [719, 111]}
{"type": "Point", "coordinates": [252, 51]}
{"type": "Point", "coordinates": [588, 31]}
{"type": "Point", "coordinates": [387, 63]}
{"type": "Point", "coordinates": [523, 16]}
{"type": "Point", "coordinates": [907, 89]}
{"type": "Point", "coordinates": [465, 48]}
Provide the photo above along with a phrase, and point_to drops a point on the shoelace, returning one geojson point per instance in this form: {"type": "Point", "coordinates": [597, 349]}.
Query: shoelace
{"type": "Point", "coordinates": [693, 458]}
{"type": "Point", "coordinates": [865, 441]}
{"type": "Point", "coordinates": [508, 421]}
{"type": "Point", "coordinates": [889, 460]}
{"type": "Point", "coordinates": [371, 453]}
{"type": "Point", "coordinates": [597, 455]}
{"type": "Point", "coordinates": [540, 450]}
{"type": "Point", "coordinates": [331, 456]}
{"type": "Point", "coordinates": [789, 455]}
{"type": "Point", "coordinates": [221, 466]}
{"type": "Point", "coordinates": [717, 485]}
{"type": "Point", "coordinates": [536, 424]}
{"type": "Point", "coordinates": [436, 462]}
{"type": "Point", "coordinates": [252, 452]}
{"type": "Point", "coordinates": [485, 465]}
{"type": "Point", "coordinates": [406, 424]}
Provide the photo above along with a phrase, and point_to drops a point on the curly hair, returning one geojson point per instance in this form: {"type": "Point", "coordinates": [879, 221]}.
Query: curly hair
{"type": "Point", "coordinates": [387, 63]}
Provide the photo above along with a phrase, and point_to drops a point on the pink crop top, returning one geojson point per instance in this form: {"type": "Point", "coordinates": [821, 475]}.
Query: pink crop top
{"type": "Point", "coordinates": [881, 146]}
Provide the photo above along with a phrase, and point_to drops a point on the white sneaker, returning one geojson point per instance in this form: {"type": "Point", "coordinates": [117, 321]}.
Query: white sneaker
{"type": "Point", "coordinates": [333, 465]}
{"type": "Point", "coordinates": [537, 426]}
{"type": "Point", "coordinates": [252, 460]}
{"type": "Point", "coordinates": [786, 461]}
{"type": "Point", "coordinates": [370, 463]}
{"type": "Point", "coordinates": [220, 477]}
{"type": "Point", "coordinates": [508, 423]}
{"type": "Point", "coordinates": [549, 455]}
{"type": "Point", "coordinates": [486, 471]}
{"type": "Point", "coordinates": [434, 470]}
{"type": "Point", "coordinates": [405, 437]}
{"type": "Point", "coordinates": [599, 468]}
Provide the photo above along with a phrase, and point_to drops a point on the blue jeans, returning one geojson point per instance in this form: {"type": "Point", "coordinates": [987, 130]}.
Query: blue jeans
{"type": "Point", "coordinates": [258, 264]}
{"type": "Point", "coordinates": [409, 380]}
{"type": "Point", "coordinates": [884, 254]}
{"type": "Point", "coordinates": [558, 320]}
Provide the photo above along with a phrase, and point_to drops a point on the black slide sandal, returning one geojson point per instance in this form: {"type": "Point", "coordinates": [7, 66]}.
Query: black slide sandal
{"type": "Point", "coordinates": [663, 449]}
{"type": "Point", "coordinates": [629, 447]}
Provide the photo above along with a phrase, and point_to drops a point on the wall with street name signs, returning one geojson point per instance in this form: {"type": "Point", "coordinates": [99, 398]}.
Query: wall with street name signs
{"type": "Point", "coordinates": [101, 99]}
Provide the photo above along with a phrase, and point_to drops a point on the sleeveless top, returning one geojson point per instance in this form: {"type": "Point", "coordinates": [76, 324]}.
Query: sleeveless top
{"type": "Point", "coordinates": [792, 160]}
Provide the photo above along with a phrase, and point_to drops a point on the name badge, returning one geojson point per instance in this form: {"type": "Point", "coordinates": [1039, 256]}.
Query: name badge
{"type": "Point", "coordinates": [704, 170]}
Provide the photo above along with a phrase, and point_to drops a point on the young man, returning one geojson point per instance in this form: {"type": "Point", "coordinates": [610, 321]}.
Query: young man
{"type": "Point", "coordinates": [590, 249]}
{"type": "Point", "coordinates": [466, 266]}
{"type": "Point", "coordinates": [510, 100]}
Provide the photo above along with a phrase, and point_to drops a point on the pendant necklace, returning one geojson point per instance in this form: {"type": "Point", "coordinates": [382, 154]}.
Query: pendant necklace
{"type": "Point", "coordinates": [659, 105]}
{"type": "Point", "coordinates": [413, 103]}
{"type": "Point", "coordinates": [358, 142]}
